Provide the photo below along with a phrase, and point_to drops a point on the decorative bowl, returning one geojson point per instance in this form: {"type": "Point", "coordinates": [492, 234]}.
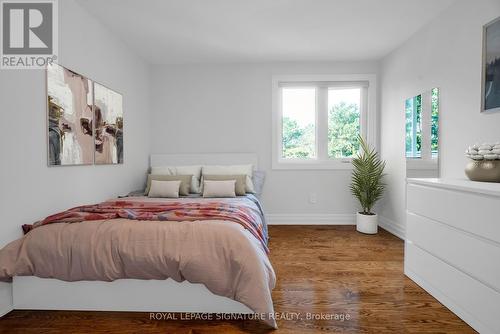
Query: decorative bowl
{"type": "Point", "coordinates": [483, 170]}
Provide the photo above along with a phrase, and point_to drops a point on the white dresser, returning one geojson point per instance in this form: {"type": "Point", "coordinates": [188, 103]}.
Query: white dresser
{"type": "Point", "coordinates": [452, 247]}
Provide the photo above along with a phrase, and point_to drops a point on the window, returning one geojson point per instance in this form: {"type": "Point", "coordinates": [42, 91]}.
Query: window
{"type": "Point", "coordinates": [413, 110]}
{"type": "Point", "coordinates": [422, 132]}
{"type": "Point", "coordinates": [434, 122]}
{"type": "Point", "coordinates": [317, 120]}
{"type": "Point", "coordinates": [298, 123]}
{"type": "Point", "coordinates": [344, 105]}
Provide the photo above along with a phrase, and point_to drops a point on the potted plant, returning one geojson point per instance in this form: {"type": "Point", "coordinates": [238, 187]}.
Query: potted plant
{"type": "Point", "coordinates": [367, 185]}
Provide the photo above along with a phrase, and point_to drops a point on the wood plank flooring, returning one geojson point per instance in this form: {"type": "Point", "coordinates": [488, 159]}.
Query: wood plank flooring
{"type": "Point", "coordinates": [329, 270]}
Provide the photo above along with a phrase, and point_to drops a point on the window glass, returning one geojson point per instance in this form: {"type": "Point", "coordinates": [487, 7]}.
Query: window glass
{"type": "Point", "coordinates": [434, 122]}
{"type": "Point", "coordinates": [298, 123]}
{"type": "Point", "coordinates": [413, 111]}
{"type": "Point", "coordinates": [343, 122]}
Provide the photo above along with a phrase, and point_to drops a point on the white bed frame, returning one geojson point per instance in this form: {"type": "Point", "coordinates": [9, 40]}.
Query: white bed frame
{"type": "Point", "coordinates": [133, 295]}
{"type": "Point", "coordinates": [33, 293]}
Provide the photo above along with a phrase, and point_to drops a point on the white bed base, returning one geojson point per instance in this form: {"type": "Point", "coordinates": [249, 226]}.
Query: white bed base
{"type": "Point", "coordinates": [34, 293]}
{"type": "Point", "coordinates": [133, 295]}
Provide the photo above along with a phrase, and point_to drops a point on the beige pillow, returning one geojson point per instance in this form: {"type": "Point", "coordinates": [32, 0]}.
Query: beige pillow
{"type": "Point", "coordinates": [195, 171]}
{"type": "Point", "coordinates": [240, 181]}
{"type": "Point", "coordinates": [232, 170]}
{"type": "Point", "coordinates": [219, 188]}
{"type": "Point", "coordinates": [168, 189]}
{"type": "Point", "coordinates": [185, 182]}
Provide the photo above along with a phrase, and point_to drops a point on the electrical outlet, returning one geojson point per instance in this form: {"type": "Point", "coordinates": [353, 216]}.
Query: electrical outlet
{"type": "Point", "coordinates": [313, 198]}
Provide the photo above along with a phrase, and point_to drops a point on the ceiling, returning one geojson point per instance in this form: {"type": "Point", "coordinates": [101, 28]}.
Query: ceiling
{"type": "Point", "coordinates": [221, 31]}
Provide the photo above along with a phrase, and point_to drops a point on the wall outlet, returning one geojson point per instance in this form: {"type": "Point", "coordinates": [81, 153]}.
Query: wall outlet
{"type": "Point", "coordinates": [313, 198]}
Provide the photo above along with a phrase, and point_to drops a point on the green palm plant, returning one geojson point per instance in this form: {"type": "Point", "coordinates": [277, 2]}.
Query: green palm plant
{"type": "Point", "coordinates": [368, 171]}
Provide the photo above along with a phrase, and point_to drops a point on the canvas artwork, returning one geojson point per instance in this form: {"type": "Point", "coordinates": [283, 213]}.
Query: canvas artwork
{"type": "Point", "coordinates": [108, 118]}
{"type": "Point", "coordinates": [85, 120]}
{"type": "Point", "coordinates": [70, 140]}
{"type": "Point", "coordinates": [491, 67]}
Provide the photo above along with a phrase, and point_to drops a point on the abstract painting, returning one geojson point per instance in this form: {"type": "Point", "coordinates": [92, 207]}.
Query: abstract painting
{"type": "Point", "coordinates": [491, 67]}
{"type": "Point", "coordinates": [69, 113]}
{"type": "Point", "coordinates": [108, 125]}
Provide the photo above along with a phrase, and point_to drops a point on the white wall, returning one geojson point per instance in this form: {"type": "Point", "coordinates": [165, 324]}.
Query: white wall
{"type": "Point", "coordinates": [227, 108]}
{"type": "Point", "coordinates": [29, 189]}
{"type": "Point", "coordinates": [445, 54]}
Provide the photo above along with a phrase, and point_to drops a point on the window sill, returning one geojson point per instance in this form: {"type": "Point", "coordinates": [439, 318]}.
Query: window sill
{"type": "Point", "coordinates": [421, 164]}
{"type": "Point", "coordinates": [312, 165]}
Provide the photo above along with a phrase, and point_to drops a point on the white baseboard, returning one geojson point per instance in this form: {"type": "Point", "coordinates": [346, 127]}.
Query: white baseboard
{"type": "Point", "coordinates": [310, 219]}
{"type": "Point", "coordinates": [5, 298]}
{"type": "Point", "coordinates": [392, 227]}
{"type": "Point", "coordinates": [331, 219]}
{"type": "Point", "coordinates": [5, 311]}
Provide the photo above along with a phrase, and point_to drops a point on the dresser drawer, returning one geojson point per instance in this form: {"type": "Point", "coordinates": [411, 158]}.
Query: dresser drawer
{"type": "Point", "coordinates": [475, 213]}
{"type": "Point", "coordinates": [473, 255]}
{"type": "Point", "coordinates": [471, 300]}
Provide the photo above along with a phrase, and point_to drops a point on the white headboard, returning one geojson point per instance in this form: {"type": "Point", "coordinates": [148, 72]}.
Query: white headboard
{"type": "Point", "coordinates": [157, 160]}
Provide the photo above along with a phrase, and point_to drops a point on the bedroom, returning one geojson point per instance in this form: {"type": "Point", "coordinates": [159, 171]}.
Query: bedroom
{"type": "Point", "coordinates": [205, 83]}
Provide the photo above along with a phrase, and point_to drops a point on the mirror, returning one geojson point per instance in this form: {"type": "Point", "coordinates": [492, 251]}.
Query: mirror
{"type": "Point", "coordinates": [422, 135]}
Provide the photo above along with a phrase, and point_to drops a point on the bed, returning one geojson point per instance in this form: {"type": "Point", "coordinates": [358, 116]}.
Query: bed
{"type": "Point", "coordinates": [158, 265]}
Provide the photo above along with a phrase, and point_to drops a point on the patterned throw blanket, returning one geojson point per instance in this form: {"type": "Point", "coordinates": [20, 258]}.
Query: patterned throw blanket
{"type": "Point", "coordinates": [161, 211]}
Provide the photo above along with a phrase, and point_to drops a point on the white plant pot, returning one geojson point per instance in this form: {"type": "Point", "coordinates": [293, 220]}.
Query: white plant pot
{"type": "Point", "coordinates": [366, 223]}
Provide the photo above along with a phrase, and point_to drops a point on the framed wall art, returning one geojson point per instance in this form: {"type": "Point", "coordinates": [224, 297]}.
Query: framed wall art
{"type": "Point", "coordinates": [490, 92]}
{"type": "Point", "coordinates": [84, 120]}
{"type": "Point", "coordinates": [69, 117]}
{"type": "Point", "coordinates": [108, 120]}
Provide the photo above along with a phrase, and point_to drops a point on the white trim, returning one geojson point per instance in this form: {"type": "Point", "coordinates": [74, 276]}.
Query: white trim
{"type": "Point", "coordinates": [426, 126]}
{"type": "Point", "coordinates": [368, 119]}
{"type": "Point", "coordinates": [132, 295]}
{"type": "Point", "coordinates": [310, 219]}
{"type": "Point", "coordinates": [344, 164]}
{"type": "Point", "coordinates": [5, 311]}
{"type": "Point", "coordinates": [421, 164]}
{"type": "Point", "coordinates": [392, 227]}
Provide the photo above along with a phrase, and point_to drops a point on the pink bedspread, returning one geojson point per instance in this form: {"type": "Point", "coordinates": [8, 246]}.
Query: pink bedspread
{"type": "Point", "coordinates": [223, 252]}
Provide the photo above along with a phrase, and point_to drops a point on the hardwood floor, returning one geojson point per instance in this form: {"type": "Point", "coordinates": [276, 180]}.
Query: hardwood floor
{"type": "Point", "coordinates": [329, 270]}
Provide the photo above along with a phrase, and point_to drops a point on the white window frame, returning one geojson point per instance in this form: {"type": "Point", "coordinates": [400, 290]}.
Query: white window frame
{"type": "Point", "coordinates": [426, 160]}
{"type": "Point", "coordinates": [368, 118]}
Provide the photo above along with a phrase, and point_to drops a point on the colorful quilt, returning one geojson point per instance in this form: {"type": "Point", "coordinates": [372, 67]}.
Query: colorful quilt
{"type": "Point", "coordinates": [241, 211]}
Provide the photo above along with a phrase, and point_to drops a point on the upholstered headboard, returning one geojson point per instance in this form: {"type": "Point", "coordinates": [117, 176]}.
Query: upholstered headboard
{"type": "Point", "coordinates": [157, 160]}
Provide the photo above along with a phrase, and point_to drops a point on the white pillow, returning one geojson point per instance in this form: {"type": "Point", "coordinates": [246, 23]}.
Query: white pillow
{"type": "Point", "coordinates": [232, 170]}
{"type": "Point", "coordinates": [164, 189]}
{"type": "Point", "coordinates": [181, 170]}
{"type": "Point", "coordinates": [219, 188]}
